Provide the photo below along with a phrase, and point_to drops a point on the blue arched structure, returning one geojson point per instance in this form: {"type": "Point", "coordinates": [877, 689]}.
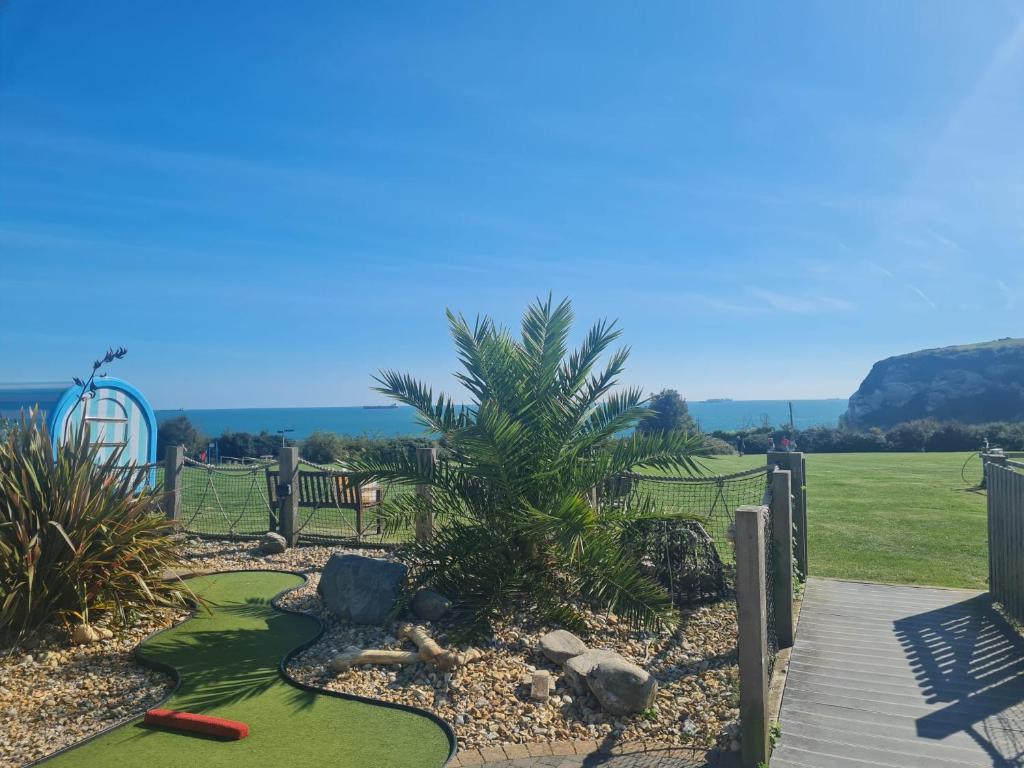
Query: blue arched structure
{"type": "Point", "coordinates": [116, 414]}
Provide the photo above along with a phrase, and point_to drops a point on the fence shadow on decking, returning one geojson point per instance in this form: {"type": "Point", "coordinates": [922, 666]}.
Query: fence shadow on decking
{"type": "Point", "coordinates": [968, 657]}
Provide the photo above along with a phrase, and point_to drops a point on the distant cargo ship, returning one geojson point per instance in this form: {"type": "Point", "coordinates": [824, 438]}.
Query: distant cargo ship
{"type": "Point", "coordinates": [380, 407]}
{"type": "Point", "coordinates": [719, 400]}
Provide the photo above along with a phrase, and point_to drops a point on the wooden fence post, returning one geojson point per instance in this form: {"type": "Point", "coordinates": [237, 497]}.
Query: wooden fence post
{"type": "Point", "coordinates": [752, 641]}
{"type": "Point", "coordinates": [782, 555]}
{"type": "Point", "coordinates": [426, 459]}
{"type": "Point", "coordinates": [174, 463]}
{"type": "Point", "coordinates": [993, 504]}
{"type": "Point", "coordinates": [992, 457]}
{"type": "Point", "coordinates": [288, 493]}
{"type": "Point", "coordinates": [794, 462]}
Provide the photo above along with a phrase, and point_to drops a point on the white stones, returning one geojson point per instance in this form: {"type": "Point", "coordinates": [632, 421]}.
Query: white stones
{"type": "Point", "coordinates": [621, 687]}
{"type": "Point", "coordinates": [429, 605]}
{"type": "Point", "coordinates": [488, 704]}
{"type": "Point", "coordinates": [541, 685]}
{"type": "Point", "coordinates": [577, 668]}
{"type": "Point", "coordinates": [82, 634]}
{"type": "Point", "coordinates": [272, 543]}
{"type": "Point", "coordinates": [561, 645]}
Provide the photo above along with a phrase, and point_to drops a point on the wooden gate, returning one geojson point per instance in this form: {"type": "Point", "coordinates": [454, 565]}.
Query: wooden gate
{"type": "Point", "coordinates": [1005, 481]}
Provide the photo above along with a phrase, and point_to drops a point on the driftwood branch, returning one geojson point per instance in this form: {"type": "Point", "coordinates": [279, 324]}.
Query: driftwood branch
{"type": "Point", "coordinates": [432, 653]}
{"type": "Point", "coordinates": [429, 651]}
{"type": "Point", "coordinates": [353, 657]}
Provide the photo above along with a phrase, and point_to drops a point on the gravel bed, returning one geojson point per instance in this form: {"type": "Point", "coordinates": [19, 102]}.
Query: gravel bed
{"type": "Point", "coordinates": [488, 701]}
{"type": "Point", "coordinates": [53, 695]}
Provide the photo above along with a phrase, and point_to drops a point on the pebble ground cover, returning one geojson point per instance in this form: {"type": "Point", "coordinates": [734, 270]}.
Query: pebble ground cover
{"type": "Point", "coordinates": [43, 705]}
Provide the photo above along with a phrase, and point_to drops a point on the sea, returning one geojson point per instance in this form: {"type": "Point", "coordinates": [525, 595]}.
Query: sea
{"type": "Point", "coordinates": [298, 423]}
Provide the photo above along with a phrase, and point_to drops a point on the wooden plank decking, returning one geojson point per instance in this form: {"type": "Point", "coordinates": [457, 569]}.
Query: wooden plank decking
{"type": "Point", "coordinates": [902, 677]}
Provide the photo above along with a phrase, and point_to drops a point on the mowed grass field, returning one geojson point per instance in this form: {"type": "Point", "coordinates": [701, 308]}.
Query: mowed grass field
{"type": "Point", "coordinates": [902, 518]}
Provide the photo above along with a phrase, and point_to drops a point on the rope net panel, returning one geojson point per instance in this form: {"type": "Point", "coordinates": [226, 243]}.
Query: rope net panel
{"type": "Point", "coordinates": [710, 501]}
{"type": "Point", "coordinates": [769, 579]}
{"type": "Point", "coordinates": [694, 558]}
{"type": "Point", "coordinates": [226, 501]}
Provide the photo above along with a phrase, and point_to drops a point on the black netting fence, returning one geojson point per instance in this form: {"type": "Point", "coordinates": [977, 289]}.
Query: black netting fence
{"type": "Point", "coordinates": [226, 500]}
{"type": "Point", "coordinates": [770, 566]}
{"type": "Point", "coordinates": [694, 556]}
{"type": "Point", "coordinates": [710, 501]}
{"type": "Point", "coordinates": [240, 501]}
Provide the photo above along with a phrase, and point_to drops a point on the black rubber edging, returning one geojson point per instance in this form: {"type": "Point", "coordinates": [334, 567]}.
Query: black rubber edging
{"type": "Point", "coordinates": [453, 743]}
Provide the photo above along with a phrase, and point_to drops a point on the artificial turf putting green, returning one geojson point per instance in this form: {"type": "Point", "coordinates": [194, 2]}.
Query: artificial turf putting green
{"type": "Point", "coordinates": [227, 656]}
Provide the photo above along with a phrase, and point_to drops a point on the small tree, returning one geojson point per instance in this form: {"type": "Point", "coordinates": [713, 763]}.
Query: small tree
{"type": "Point", "coordinates": [179, 431]}
{"type": "Point", "coordinates": [668, 413]}
{"type": "Point", "coordinates": [321, 448]}
{"type": "Point", "coordinates": [538, 440]}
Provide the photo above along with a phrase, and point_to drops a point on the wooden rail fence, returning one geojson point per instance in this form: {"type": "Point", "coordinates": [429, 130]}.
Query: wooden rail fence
{"type": "Point", "coordinates": [770, 540]}
{"type": "Point", "coordinates": [1005, 485]}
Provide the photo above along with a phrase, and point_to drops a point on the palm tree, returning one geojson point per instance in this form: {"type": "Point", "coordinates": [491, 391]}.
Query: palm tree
{"type": "Point", "coordinates": [518, 505]}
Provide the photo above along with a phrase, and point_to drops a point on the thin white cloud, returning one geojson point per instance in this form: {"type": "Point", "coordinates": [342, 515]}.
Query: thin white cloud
{"type": "Point", "coordinates": [879, 269]}
{"type": "Point", "coordinates": [1009, 295]}
{"type": "Point", "coordinates": [797, 304]}
{"type": "Point", "coordinates": [760, 301]}
{"type": "Point", "coordinates": [924, 297]}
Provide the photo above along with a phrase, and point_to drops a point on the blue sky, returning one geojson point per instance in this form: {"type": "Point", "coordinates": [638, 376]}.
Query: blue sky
{"type": "Point", "coordinates": [266, 202]}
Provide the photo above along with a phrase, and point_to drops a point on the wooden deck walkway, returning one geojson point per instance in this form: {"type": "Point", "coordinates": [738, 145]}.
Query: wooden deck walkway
{"type": "Point", "coordinates": [902, 677]}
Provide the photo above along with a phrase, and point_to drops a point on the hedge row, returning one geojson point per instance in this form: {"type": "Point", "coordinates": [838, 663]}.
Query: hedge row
{"type": "Point", "coordinates": [919, 435]}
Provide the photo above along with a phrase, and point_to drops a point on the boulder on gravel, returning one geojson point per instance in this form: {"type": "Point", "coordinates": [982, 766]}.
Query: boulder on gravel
{"type": "Point", "coordinates": [561, 645]}
{"type": "Point", "coordinates": [621, 687]}
{"type": "Point", "coordinates": [429, 605]}
{"type": "Point", "coordinates": [272, 543]}
{"type": "Point", "coordinates": [363, 590]}
{"type": "Point", "coordinates": [578, 667]}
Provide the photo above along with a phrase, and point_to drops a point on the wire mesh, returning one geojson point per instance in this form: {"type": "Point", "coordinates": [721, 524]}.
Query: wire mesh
{"type": "Point", "coordinates": [226, 500]}
{"type": "Point", "coordinates": [711, 501]}
{"type": "Point", "coordinates": [770, 567]}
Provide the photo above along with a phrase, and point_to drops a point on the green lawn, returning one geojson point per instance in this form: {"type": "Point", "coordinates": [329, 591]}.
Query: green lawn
{"type": "Point", "coordinates": [906, 518]}
{"type": "Point", "coordinates": [889, 517]}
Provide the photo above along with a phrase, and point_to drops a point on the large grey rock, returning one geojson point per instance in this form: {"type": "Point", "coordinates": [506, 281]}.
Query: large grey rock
{"type": "Point", "coordinates": [561, 645]}
{"type": "Point", "coordinates": [621, 687]}
{"type": "Point", "coordinates": [429, 605]}
{"type": "Point", "coordinates": [361, 589]}
{"type": "Point", "coordinates": [578, 667]}
{"type": "Point", "coordinates": [272, 543]}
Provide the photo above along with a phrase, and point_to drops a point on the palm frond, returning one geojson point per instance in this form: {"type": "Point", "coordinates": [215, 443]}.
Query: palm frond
{"type": "Point", "coordinates": [439, 415]}
{"type": "Point", "coordinates": [524, 500]}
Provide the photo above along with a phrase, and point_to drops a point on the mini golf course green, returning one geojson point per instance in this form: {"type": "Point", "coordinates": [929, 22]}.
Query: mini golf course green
{"type": "Point", "coordinates": [228, 659]}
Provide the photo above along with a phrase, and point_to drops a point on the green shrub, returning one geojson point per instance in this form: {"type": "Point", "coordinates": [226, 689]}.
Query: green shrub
{"type": "Point", "coordinates": [179, 431]}
{"type": "Point", "coordinates": [322, 448]}
{"type": "Point", "coordinates": [717, 447]}
{"type": "Point", "coordinates": [517, 523]}
{"type": "Point", "coordinates": [910, 436]}
{"type": "Point", "coordinates": [247, 445]}
{"type": "Point", "coordinates": [76, 535]}
{"type": "Point", "coordinates": [669, 413]}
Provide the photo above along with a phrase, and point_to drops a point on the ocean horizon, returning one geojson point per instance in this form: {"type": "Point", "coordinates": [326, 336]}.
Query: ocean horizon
{"type": "Point", "coordinates": [357, 421]}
